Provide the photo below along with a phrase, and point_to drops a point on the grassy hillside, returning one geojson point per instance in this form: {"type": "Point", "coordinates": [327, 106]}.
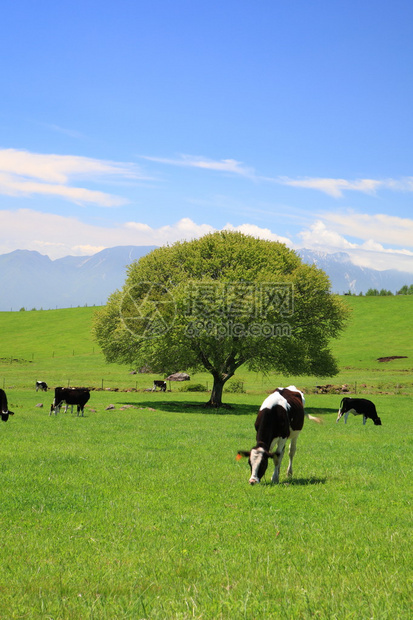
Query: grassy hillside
{"type": "Point", "coordinates": [56, 346]}
{"type": "Point", "coordinates": [379, 327]}
{"type": "Point", "coordinates": [38, 334]}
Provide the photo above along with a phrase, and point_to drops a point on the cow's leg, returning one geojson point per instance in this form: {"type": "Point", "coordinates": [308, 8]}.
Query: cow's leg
{"type": "Point", "coordinates": [292, 450]}
{"type": "Point", "coordinates": [277, 458]}
{"type": "Point", "coordinates": [364, 419]}
{"type": "Point", "coordinates": [346, 416]}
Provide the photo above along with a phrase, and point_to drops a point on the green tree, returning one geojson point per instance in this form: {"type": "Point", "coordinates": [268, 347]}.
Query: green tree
{"type": "Point", "coordinates": [406, 290]}
{"type": "Point", "coordinates": [219, 302]}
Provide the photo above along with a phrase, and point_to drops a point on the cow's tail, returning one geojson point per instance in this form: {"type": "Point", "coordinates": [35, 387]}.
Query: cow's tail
{"type": "Point", "coordinates": [314, 418]}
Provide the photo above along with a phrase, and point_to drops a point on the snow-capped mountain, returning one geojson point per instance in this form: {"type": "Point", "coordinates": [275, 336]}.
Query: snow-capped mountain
{"type": "Point", "coordinates": [31, 280]}
{"type": "Point", "coordinates": [346, 277]}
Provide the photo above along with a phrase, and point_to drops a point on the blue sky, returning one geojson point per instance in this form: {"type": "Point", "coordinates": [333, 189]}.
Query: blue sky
{"type": "Point", "coordinates": [146, 122]}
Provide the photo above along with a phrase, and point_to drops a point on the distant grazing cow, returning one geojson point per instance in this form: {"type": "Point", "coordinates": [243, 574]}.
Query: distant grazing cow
{"type": "Point", "coordinates": [70, 396]}
{"type": "Point", "coordinates": [4, 407]}
{"type": "Point", "coordinates": [42, 386]}
{"type": "Point", "coordinates": [280, 417]}
{"type": "Point", "coordinates": [159, 384]}
{"type": "Point", "coordinates": [358, 406]}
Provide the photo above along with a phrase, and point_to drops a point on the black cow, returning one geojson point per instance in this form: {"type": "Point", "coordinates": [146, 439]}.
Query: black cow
{"type": "Point", "coordinates": [159, 384]}
{"type": "Point", "coordinates": [280, 417]}
{"type": "Point", "coordinates": [71, 396]}
{"type": "Point", "coordinates": [358, 406]}
{"type": "Point", "coordinates": [4, 407]}
{"type": "Point", "coordinates": [41, 385]}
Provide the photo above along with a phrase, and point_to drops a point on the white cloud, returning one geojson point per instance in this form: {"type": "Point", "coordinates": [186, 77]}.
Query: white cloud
{"type": "Point", "coordinates": [184, 229]}
{"type": "Point", "coordinates": [187, 229]}
{"type": "Point", "coordinates": [402, 260]}
{"type": "Point", "coordinates": [372, 231]}
{"type": "Point", "coordinates": [59, 168]}
{"type": "Point", "coordinates": [27, 174]}
{"type": "Point", "coordinates": [58, 236]}
{"type": "Point", "coordinates": [334, 187]}
{"type": "Point", "coordinates": [380, 227]}
{"type": "Point", "coordinates": [319, 237]}
{"type": "Point", "coordinates": [330, 186]}
{"type": "Point", "coordinates": [260, 233]}
{"type": "Point", "coordinates": [193, 161]}
{"type": "Point", "coordinates": [72, 133]}
{"type": "Point", "coordinates": [11, 185]}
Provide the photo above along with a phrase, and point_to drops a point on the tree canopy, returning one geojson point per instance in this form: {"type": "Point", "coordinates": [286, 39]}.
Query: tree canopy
{"type": "Point", "coordinates": [219, 302]}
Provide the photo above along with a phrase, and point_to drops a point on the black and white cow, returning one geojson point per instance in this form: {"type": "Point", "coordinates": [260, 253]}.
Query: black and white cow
{"type": "Point", "coordinates": [42, 386]}
{"type": "Point", "coordinates": [358, 406]}
{"type": "Point", "coordinates": [70, 396]}
{"type": "Point", "coordinates": [159, 384]}
{"type": "Point", "coordinates": [4, 407]}
{"type": "Point", "coordinates": [281, 417]}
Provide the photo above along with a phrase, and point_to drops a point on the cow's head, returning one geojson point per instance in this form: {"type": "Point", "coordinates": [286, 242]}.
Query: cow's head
{"type": "Point", "coordinates": [377, 421]}
{"type": "Point", "coordinates": [258, 462]}
{"type": "Point", "coordinates": [343, 408]}
{"type": "Point", "coordinates": [5, 415]}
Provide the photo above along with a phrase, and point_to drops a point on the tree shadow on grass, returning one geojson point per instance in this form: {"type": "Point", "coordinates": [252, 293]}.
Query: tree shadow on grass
{"type": "Point", "coordinates": [195, 407]}
{"type": "Point", "coordinates": [297, 482]}
{"type": "Point", "coordinates": [317, 411]}
{"type": "Point", "coordinates": [227, 409]}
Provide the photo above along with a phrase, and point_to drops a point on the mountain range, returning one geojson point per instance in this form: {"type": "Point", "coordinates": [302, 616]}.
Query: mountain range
{"type": "Point", "coordinates": [30, 280]}
{"type": "Point", "coordinates": [346, 277]}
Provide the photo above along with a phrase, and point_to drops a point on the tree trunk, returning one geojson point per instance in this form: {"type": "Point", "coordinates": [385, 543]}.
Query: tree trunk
{"type": "Point", "coordinates": [220, 377]}
{"type": "Point", "coordinates": [216, 393]}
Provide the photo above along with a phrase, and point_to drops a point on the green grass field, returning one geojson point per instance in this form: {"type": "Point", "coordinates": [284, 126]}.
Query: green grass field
{"type": "Point", "coordinates": [56, 346]}
{"type": "Point", "coordinates": [142, 511]}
